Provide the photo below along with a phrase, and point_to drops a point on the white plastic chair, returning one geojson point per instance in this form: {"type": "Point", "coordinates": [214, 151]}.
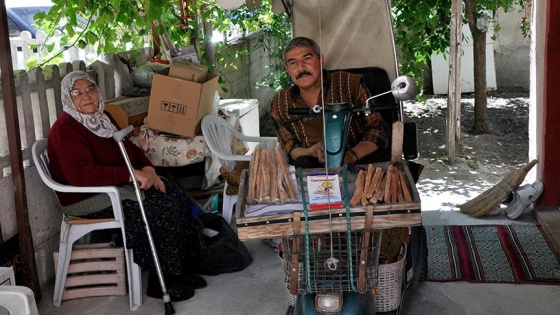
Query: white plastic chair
{"type": "Point", "coordinates": [218, 134]}
{"type": "Point", "coordinates": [17, 300]}
{"type": "Point", "coordinates": [70, 233]}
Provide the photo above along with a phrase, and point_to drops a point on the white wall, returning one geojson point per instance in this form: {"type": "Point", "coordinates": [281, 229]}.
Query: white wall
{"type": "Point", "coordinates": [512, 52]}
{"type": "Point", "coordinates": [507, 63]}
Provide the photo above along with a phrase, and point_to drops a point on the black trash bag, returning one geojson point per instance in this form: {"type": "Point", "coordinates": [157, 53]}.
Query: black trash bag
{"type": "Point", "coordinates": [221, 250]}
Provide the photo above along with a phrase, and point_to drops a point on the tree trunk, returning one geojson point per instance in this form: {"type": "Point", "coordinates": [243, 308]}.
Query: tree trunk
{"type": "Point", "coordinates": [480, 125]}
{"type": "Point", "coordinates": [209, 49]}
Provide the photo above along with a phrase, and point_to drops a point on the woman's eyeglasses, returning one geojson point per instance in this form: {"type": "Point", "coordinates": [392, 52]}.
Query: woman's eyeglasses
{"type": "Point", "coordinates": [79, 93]}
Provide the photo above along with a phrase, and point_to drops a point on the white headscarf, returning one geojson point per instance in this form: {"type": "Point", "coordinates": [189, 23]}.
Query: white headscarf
{"type": "Point", "coordinates": [98, 122]}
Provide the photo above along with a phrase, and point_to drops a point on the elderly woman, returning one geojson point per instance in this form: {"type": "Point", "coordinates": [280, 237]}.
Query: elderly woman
{"type": "Point", "coordinates": [82, 152]}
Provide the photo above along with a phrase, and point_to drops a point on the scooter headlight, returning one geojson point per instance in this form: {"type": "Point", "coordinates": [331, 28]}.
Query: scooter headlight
{"type": "Point", "coordinates": [329, 302]}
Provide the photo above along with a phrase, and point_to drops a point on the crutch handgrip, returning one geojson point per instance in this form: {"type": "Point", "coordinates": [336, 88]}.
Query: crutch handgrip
{"type": "Point", "coordinates": [119, 135]}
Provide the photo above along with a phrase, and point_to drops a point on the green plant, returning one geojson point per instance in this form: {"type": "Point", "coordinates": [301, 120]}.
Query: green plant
{"type": "Point", "coordinates": [421, 29]}
{"type": "Point", "coordinates": [116, 25]}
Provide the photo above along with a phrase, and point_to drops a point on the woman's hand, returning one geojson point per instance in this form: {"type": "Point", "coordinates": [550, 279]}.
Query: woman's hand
{"type": "Point", "coordinates": [148, 178]}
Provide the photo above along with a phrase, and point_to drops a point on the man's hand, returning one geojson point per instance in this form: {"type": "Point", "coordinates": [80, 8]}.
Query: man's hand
{"type": "Point", "coordinates": [148, 178]}
{"type": "Point", "coordinates": [317, 151]}
{"type": "Point", "coordinates": [349, 158]}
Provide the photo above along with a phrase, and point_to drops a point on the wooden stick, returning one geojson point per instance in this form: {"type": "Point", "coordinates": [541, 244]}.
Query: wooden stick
{"type": "Point", "coordinates": [376, 182]}
{"type": "Point", "coordinates": [368, 183]}
{"type": "Point", "coordinates": [358, 189]}
{"type": "Point", "coordinates": [393, 186]}
{"type": "Point", "coordinates": [287, 181]}
{"type": "Point", "coordinates": [400, 197]}
{"type": "Point", "coordinates": [405, 189]}
{"type": "Point", "coordinates": [397, 141]}
{"type": "Point", "coordinates": [273, 170]}
{"type": "Point", "coordinates": [378, 196]}
{"type": "Point", "coordinates": [282, 192]}
{"type": "Point", "coordinates": [264, 193]}
{"type": "Point", "coordinates": [388, 180]}
{"type": "Point", "coordinates": [254, 169]}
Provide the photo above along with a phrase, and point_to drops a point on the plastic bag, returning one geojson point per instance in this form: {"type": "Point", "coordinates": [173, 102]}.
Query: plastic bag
{"type": "Point", "coordinates": [221, 250]}
{"type": "Point", "coordinates": [143, 75]}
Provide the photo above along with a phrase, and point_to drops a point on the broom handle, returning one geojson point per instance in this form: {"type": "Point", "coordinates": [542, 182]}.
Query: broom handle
{"type": "Point", "coordinates": [526, 170]}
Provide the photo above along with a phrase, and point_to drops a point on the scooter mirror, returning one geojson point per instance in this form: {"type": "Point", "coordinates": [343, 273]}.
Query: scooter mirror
{"type": "Point", "coordinates": [404, 88]}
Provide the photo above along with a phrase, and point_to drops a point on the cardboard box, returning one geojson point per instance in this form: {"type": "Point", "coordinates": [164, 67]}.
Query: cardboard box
{"type": "Point", "coordinates": [129, 111]}
{"type": "Point", "coordinates": [177, 106]}
{"type": "Point", "coordinates": [187, 70]}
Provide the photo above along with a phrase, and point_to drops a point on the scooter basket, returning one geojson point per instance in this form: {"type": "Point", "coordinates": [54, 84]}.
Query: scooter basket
{"type": "Point", "coordinates": [389, 284]}
{"type": "Point", "coordinates": [313, 276]}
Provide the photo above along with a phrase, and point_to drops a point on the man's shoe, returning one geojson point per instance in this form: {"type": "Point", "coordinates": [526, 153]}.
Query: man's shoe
{"type": "Point", "coordinates": [523, 197]}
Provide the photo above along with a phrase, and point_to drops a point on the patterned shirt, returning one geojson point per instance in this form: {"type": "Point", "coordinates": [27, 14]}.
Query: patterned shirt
{"type": "Point", "coordinates": [339, 86]}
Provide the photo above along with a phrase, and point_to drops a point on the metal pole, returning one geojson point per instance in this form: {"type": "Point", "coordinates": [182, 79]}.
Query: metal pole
{"type": "Point", "coordinates": [119, 136]}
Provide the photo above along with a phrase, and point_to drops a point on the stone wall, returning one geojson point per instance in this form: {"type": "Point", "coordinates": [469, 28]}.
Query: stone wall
{"type": "Point", "coordinates": [241, 80]}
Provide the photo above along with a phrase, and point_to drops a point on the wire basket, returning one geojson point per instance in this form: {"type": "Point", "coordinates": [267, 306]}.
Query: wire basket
{"type": "Point", "coordinates": [316, 277]}
{"type": "Point", "coordinates": [290, 298]}
{"type": "Point", "coordinates": [389, 284]}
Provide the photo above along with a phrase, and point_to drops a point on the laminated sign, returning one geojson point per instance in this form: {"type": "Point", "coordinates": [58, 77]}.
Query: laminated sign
{"type": "Point", "coordinates": [324, 189]}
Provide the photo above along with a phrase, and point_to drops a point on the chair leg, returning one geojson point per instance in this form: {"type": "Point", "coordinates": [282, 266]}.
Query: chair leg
{"type": "Point", "coordinates": [64, 252]}
{"type": "Point", "coordinates": [227, 207]}
{"type": "Point", "coordinates": [69, 234]}
{"type": "Point", "coordinates": [67, 238]}
{"type": "Point", "coordinates": [134, 275]}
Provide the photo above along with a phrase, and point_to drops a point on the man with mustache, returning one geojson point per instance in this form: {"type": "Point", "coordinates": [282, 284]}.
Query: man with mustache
{"type": "Point", "coordinates": [302, 140]}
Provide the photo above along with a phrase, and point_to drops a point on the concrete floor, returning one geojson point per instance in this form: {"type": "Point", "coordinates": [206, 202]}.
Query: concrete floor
{"type": "Point", "coordinates": [260, 288]}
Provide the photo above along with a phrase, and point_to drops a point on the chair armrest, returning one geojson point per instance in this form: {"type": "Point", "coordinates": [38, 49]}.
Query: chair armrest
{"type": "Point", "coordinates": [111, 191]}
{"type": "Point", "coordinates": [257, 139]}
{"type": "Point", "coordinates": [230, 157]}
{"type": "Point", "coordinates": [83, 189]}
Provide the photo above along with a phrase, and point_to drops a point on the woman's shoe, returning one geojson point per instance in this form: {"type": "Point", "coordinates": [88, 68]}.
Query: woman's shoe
{"type": "Point", "coordinates": [193, 281]}
{"type": "Point", "coordinates": [523, 197]}
{"type": "Point", "coordinates": [177, 291]}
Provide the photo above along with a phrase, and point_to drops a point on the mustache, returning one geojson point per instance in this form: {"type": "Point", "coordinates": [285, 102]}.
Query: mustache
{"type": "Point", "coordinates": [301, 74]}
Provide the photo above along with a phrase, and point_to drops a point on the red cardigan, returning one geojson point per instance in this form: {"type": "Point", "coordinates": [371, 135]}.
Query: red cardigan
{"type": "Point", "coordinates": [78, 157]}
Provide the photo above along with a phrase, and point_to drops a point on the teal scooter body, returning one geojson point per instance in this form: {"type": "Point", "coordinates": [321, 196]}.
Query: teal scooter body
{"type": "Point", "coordinates": [337, 122]}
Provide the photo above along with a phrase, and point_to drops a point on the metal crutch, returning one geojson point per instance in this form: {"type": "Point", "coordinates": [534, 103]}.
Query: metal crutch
{"type": "Point", "coordinates": [119, 136]}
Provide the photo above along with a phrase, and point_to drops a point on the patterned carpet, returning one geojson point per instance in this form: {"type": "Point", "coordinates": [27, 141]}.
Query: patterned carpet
{"type": "Point", "coordinates": [491, 253]}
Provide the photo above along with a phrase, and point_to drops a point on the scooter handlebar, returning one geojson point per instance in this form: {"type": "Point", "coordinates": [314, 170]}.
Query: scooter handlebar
{"type": "Point", "coordinates": [315, 109]}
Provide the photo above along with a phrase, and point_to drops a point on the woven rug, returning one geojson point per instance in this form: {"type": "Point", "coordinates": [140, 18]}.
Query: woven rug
{"type": "Point", "coordinates": [491, 253]}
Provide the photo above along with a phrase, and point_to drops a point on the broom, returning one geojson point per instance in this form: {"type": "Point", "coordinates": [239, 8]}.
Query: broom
{"type": "Point", "coordinates": [489, 199]}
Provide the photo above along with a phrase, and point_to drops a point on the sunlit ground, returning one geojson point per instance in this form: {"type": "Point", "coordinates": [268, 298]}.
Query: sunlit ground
{"type": "Point", "coordinates": [444, 188]}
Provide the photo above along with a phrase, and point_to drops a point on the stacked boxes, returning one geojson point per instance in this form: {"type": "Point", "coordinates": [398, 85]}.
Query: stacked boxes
{"type": "Point", "coordinates": [129, 111]}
